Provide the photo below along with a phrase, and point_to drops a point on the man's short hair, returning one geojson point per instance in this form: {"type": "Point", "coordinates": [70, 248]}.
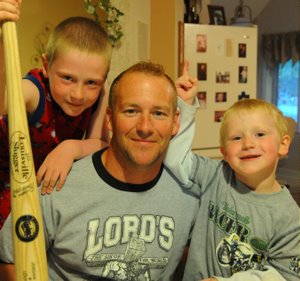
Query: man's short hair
{"type": "Point", "coordinates": [148, 68]}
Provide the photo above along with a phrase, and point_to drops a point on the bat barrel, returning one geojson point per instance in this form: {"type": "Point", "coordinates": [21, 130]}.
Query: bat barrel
{"type": "Point", "coordinates": [27, 226]}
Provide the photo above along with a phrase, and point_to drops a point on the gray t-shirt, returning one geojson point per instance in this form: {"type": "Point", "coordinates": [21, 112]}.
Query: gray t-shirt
{"type": "Point", "coordinates": [240, 233]}
{"type": "Point", "coordinates": [97, 226]}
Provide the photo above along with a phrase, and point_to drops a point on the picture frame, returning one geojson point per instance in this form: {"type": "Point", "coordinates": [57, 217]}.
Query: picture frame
{"type": "Point", "coordinates": [216, 15]}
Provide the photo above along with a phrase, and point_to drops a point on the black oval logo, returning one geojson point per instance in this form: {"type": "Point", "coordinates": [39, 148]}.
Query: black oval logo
{"type": "Point", "coordinates": [27, 228]}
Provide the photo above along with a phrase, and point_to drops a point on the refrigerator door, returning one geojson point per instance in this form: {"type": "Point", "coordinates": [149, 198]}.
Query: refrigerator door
{"type": "Point", "coordinates": [224, 58]}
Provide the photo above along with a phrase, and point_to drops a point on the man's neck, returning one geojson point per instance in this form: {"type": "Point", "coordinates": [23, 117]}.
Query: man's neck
{"type": "Point", "coordinates": [127, 172]}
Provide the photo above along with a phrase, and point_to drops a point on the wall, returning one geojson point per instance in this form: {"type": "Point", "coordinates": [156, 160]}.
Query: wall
{"type": "Point", "coordinates": [164, 34]}
{"type": "Point", "coordinates": [36, 15]}
{"type": "Point", "coordinates": [279, 16]}
{"type": "Point", "coordinates": [144, 19]}
{"type": "Point", "coordinates": [135, 45]}
{"type": "Point", "coordinates": [165, 15]}
{"type": "Point", "coordinates": [229, 5]}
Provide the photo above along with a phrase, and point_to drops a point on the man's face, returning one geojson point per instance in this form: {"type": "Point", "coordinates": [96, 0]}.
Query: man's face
{"type": "Point", "coordinates": [143, 120]}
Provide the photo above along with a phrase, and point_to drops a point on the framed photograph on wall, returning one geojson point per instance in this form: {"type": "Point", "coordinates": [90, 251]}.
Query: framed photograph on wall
{"type": "Point", "coordinates": [201, 43]}
{"type": "Point", "coordinates": [216, 15]}
{"type": "Point", "coordinates": [242, 50]}
{"type": "Point", "coordinates": [202, 71]}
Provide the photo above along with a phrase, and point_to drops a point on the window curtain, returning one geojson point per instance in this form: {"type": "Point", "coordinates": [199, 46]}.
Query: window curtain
{"type": "Point", "coordinates": [276, 50]}
{"type": "Point", "coordinates": [279, 48]}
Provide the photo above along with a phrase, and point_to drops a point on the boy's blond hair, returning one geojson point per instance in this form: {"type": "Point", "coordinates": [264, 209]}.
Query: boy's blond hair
{"type": "Point", "coordinates": [79, 33]}
{"type": "Point", "coordinates": [250, 105]}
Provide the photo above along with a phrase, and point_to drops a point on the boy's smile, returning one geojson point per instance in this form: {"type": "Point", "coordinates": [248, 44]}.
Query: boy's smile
{"type": "Point", "coordinates": [253, 146]}
{"type": "Point", "coordinates": [250, 156]}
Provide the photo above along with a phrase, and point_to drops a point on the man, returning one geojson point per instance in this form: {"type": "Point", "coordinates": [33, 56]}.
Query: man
{"type": "Point", "coordinates": [121, 214]}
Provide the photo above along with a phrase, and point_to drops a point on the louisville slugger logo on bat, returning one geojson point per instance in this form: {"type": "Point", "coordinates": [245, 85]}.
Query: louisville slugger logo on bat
{"type": "Point", "coordinates": [20, 159]}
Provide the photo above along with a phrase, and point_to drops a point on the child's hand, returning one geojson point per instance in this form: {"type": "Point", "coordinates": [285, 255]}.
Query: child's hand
{"type": "Point", "coordinates": [55, 168]}
{"type": "Point", "coordinates": [187, 87]}
{"type": "Point", "coordinates": [10, 10]}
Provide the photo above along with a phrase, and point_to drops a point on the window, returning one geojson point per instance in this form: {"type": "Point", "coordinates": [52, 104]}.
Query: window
{"type": "Point", "coordinates": [288, 89]}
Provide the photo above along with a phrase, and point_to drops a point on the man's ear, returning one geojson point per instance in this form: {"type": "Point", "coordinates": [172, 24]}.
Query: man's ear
{"type": "Point", "coordinates": [108, 117]}
{"type": "Point", "coordinates": [284, 146]}
{"type": "Point", "coordinates": [45, 65]}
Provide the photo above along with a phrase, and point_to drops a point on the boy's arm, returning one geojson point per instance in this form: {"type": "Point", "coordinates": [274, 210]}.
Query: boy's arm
{"type": "Point", "coordinates": [55, 168]}
{"type": "Point", "coordinates": [10, 11]}
{"type": "Point", "coordinates": [186, 85]}
{"type": "Point", "coordinates": [179, 157]}
{"type": "Point", "coordinates": [283, 254]}
{"type": "Point", "coordinates": [269, 274]}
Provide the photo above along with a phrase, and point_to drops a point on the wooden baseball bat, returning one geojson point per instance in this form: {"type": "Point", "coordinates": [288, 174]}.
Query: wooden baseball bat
{"type": "Point", "coordinates": [27, 226]}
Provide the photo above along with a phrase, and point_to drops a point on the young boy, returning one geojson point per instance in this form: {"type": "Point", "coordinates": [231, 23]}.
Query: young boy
{"type": "Point", "coordinates": [62, 99]}
{"type": "Point", "coordinates": [247, 226]}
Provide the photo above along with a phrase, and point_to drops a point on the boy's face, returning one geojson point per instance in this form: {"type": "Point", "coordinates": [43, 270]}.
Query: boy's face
{"type": "Point", "coordinates": [253, 145]}
{"type": "Point", "coordinates": [76, 79]}
{"type": "Point", "coordinates": [143, 120]}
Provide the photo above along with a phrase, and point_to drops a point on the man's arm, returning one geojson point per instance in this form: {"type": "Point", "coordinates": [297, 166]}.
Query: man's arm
{"type": "Point", "coordinates": [7, 268]}
{"type": "Point", "coordinates": [7, 272]}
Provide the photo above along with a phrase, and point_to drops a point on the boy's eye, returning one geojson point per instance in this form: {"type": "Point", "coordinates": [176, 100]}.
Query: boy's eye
{"type": "Point", "coordinates": [236, 138]}
{"type": "Point", "coordinates": [91, 83]}
{"type": "Point", "coordinates": [260, 134]}
{"type": "Point", "coordinates": [67, 78]}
